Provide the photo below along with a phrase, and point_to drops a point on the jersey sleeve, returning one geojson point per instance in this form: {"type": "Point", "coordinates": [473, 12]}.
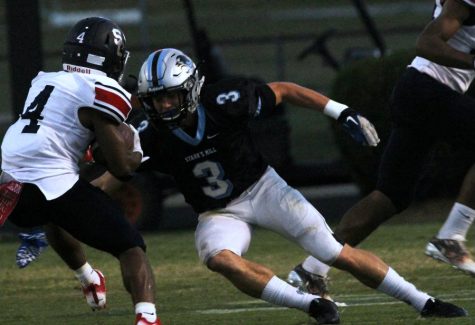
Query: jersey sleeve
{"type": "Point", "coordinates": [239, 99]}
{"type": "Point", "coordinates": [265, 101]}
{"type": "Point", "coordinates": [112, 100]}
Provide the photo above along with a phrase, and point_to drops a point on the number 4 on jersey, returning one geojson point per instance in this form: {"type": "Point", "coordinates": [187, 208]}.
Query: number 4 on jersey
{"type": "Point", "coordinates": [33, 112]}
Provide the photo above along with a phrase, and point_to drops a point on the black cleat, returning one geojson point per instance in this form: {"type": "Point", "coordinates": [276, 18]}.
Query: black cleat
{"type": "Point", "coordinates": [438, 308]}
{"type": "Point", "coordinates": [324, 311]}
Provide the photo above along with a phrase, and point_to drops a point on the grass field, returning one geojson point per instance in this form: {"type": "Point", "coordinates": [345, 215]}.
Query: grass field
{"type": "Point", "coordinates": [47, 293]}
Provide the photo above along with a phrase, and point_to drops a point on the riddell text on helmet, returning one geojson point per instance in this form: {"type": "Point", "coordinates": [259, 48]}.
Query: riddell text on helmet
{"type": "Point", "coordinates": [75, 68]}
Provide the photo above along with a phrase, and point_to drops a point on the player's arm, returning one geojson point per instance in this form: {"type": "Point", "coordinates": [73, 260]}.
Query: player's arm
{"type": "Point", "coordinates": [121, 161]}
{"type": "Point", "coordinates": [360, 129]}
{"type": "Point", "coordinates": [432, 42]}
{"type": "Point", "coordinates": [107, 183]}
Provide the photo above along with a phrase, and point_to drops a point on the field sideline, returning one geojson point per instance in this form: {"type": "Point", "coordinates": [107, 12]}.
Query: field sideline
{"type": "Point", "coordinates": [47, 293]}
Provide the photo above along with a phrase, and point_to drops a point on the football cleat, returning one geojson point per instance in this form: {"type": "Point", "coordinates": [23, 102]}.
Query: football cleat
{"type": "Point", "coordinates": [452, 252]}
{"type": "Point", "coordinates": [309, 282]}
{"type": "Point", "coordinates": [437, 308]}
{"type": "Point", "coordinates": [139, 320]}
{"type": "Point", "coordinates": [96, 293]}
{"type": "Point", "coordinates": [31, 246]}
{"type": "Point", "coordinates": [324, 311]}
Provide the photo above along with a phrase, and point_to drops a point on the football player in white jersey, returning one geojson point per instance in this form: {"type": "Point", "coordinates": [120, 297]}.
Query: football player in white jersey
{"type": "Point", "coordinates": [64, 113]}
{"type": "Point", "coordinates": [428, 103]}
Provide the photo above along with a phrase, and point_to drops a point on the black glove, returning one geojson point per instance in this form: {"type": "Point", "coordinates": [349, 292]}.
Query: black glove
{"type": "Point", "coordinates": [358, 127]}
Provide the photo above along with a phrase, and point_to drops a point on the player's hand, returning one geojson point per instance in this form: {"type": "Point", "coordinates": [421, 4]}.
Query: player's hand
{"type": "Point", "coordinates": [137, 146]}
{"type": "Point", "coordinates": [360, 129]}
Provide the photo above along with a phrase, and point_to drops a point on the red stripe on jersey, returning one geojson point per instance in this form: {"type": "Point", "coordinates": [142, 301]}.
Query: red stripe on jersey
{"type": "Point", "coordinates": [114, 100]}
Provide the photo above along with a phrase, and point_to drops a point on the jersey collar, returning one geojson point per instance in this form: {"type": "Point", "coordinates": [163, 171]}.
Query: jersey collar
{"type": "Point", "coordinates": [199, 131]}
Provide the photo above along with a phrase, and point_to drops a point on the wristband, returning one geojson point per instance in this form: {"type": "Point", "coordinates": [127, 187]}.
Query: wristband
{"type": "Point", "coordinates": [334, 109]}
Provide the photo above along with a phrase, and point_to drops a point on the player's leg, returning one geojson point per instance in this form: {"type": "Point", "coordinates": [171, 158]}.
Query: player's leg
{"type": "Point", "coordinates": [373, 272]}
{"type": "Point", "coordinates": [71, 252]}
{"type": "Point", "coordinates": [287, 212]}
{"type": "Point", "coordinates": [365, 217]}
{"type": "Point", "coordinates": [357, 223]}
{"type": "Point", "coordinates": [448, 245]}
{"type": "Point", "coordinates": [91, 217]}
{"type": "Point", "coordinates": [66, 246]}
{"type": "Point", "coordinates": [221, 241]}
{"type": "Point", "coordinates": [418, 105]}
{"type": "Point", "coordinates": [400, 165]}
{"type": "Point", "coordinates": [311, 276]}
{"type": "Point", "coordinates": [399, 169]}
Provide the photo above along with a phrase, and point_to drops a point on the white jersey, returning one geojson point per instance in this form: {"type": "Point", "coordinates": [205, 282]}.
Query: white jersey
{"type": "Point", "coordinates": [464, 41]}
{"type": "Point", "coordinates": [46, 143]}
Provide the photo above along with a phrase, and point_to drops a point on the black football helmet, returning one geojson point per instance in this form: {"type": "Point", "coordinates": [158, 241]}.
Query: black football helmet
{"type": "Point", "coordinates": [96, 43]}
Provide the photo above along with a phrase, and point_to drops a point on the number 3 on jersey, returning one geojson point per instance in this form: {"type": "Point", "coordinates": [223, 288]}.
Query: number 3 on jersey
{"type": "Point", "coordinates": [213, 172]}
{"type": "Point", "coordinates": [33, 112]}
{"type": "Point", "coordinates": [231, 97]}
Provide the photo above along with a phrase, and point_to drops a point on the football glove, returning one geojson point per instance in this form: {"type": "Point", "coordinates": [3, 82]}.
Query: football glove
{"type": "Point", "coordinates": [32, 244]}
{"type": "Point", "coordinates": [137, 146]}
{"type": "Point", "coordinates": [358, 127]}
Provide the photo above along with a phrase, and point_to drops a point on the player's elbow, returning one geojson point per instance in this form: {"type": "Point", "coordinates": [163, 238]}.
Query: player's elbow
{"type": "Point", "coordinates": [284, 91]}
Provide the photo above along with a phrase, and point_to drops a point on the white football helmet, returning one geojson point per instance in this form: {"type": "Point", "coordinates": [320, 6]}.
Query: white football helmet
{"type": "Point", "coordinates": [164, 71]}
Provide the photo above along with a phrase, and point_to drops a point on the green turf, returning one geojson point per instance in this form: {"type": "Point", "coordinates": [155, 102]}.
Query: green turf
{"type": "Point", "coordinates": [47, 293]}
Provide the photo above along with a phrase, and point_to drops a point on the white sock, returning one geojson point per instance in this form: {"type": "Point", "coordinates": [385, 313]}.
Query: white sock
{"type": "Point", "coordinates": [86, 275]}
{"type": "Point", "coordinates": [395, 286]}
{"type": "Point", "coordinates": [458, 222]}
{"type": "Point", "coordinates": [281, 293]}
{"type": "Point", "coordinates": [148, 311]}
{"type": "Point", "coordinates": [312, 265]}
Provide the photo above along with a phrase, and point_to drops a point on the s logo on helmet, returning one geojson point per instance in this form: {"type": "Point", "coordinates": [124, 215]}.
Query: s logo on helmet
{"type": "Point", "coordinates": [183, 62]}
{"type": "Point", "coordinates": [118, 40]}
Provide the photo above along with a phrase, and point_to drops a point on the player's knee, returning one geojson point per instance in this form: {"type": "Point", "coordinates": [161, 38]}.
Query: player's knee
{"type": "Point", "coordinates": [401, 202]}
{"type": "Point", "coordinates": [346, 260]}
{"type": "Point", "coordinates": [132, 251]}
{"type": "Point", "coordinates": [400, 199]}
{"type": "Point", "coordinates": [127, 243]}
{"type": "Point", "coordinates": [223, 262]}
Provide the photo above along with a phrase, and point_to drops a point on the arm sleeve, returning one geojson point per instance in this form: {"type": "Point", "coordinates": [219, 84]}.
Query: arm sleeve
{"type": "Point", "coordinates": [113, 101]}
{"type": "Point", "coordinates": [265, 102]}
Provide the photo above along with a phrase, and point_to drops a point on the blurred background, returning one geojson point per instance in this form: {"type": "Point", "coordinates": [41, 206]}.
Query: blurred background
{"type": "Point", "coordinates": [334, 46]}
